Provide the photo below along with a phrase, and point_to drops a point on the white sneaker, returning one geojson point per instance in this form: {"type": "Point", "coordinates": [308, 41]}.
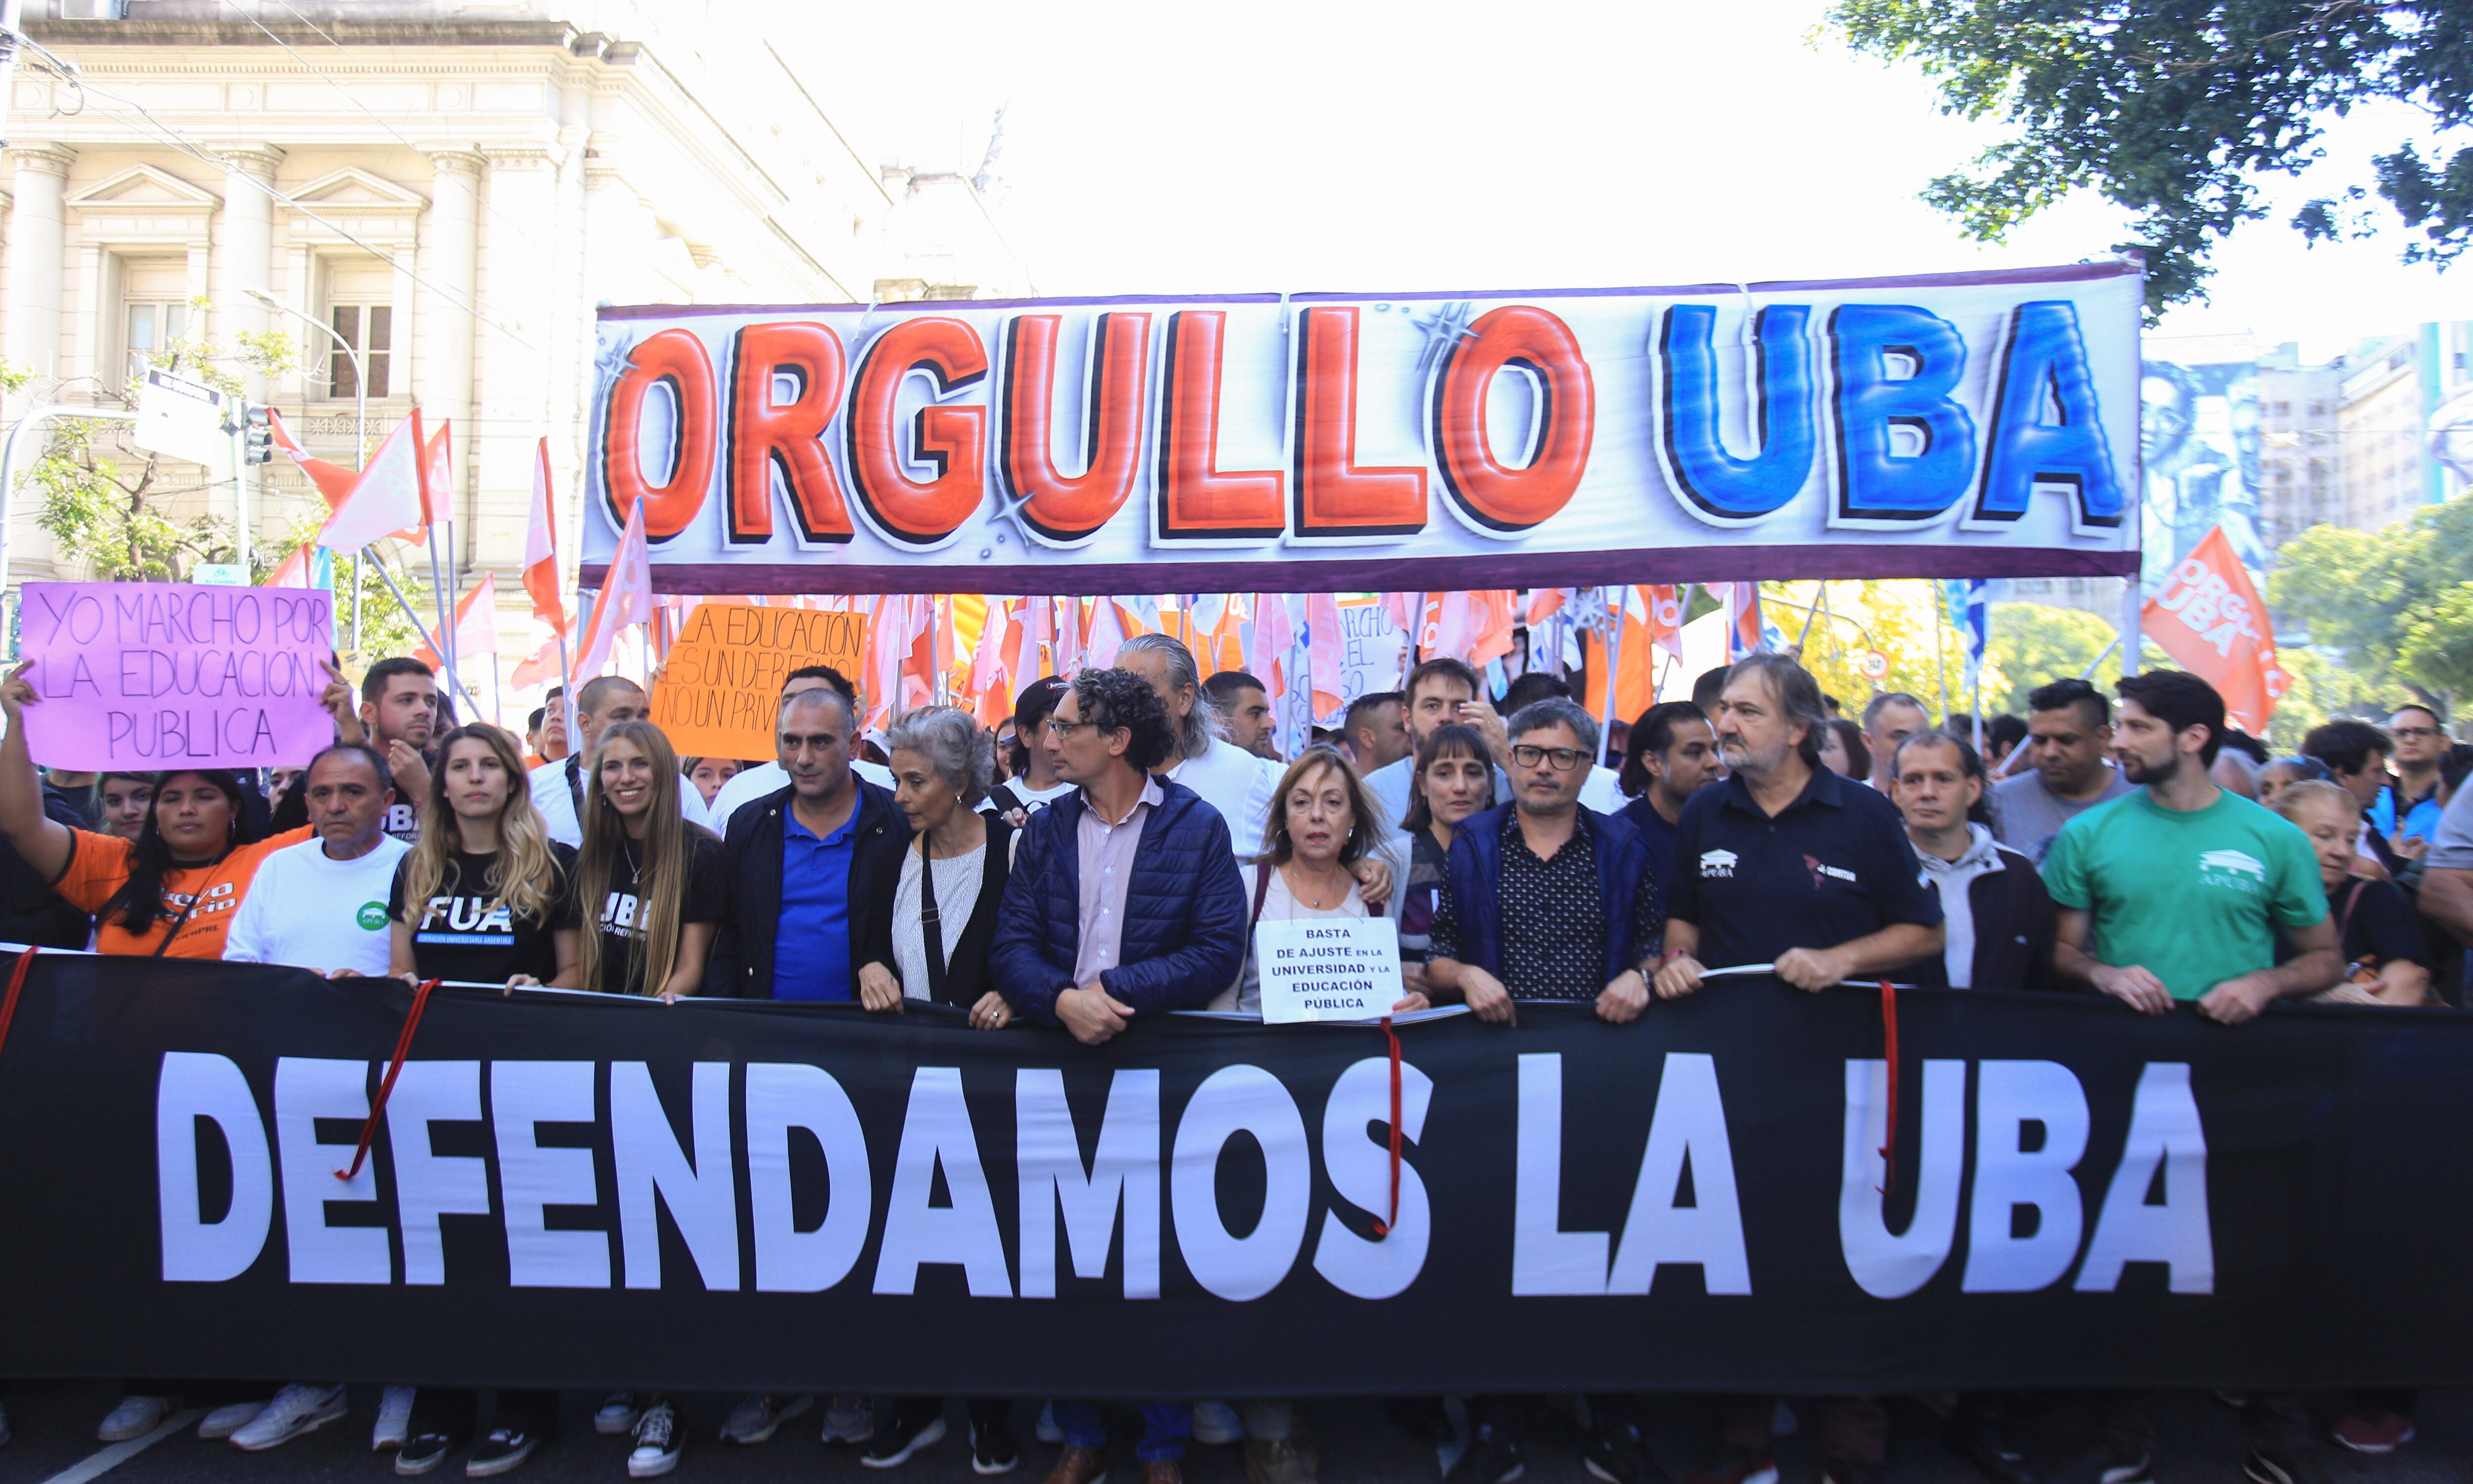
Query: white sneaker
{"type": "Point", "coordinates": [618, 1413]}
{"type": "Point", "coordinates": [1216, 1423]}
{"type": "Point", "coordinates": [225, 1421]}
{"type": "Point", "coordinates": [1046, 1428]}
{"type": "Point", "coordinates": [298, 1408]}
{"type": "Point", "coordinates": [134, 1417]}
{"type": "Point", "coordinates": [657, 1442]}
{"type": "Point", "coordinates": [394, 1419]}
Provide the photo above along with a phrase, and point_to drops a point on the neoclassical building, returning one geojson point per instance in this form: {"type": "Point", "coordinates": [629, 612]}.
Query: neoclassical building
{"type": "Point", "coordinates": [452, 187]}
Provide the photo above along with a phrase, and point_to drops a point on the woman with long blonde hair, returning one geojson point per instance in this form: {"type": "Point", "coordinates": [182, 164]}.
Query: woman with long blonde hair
{"type": "Point", "coordinates": [494, 894]}
{"type": "Point", "coordinates": [653, 881]}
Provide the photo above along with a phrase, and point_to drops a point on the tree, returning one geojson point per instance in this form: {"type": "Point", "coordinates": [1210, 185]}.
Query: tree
{"type": "Point", "coordinates": [2032, 644]}
{"type": "Point", "coordinates": [2318, 689]}
{"type": "Point", "coordinates": [2392, 604]}
{"type": "Point", "coordinates": [2174, 110]}
{"type": "Point", "coordinates": [1899, 619]}
{"type": "Point", "coordinates": [107, 502]}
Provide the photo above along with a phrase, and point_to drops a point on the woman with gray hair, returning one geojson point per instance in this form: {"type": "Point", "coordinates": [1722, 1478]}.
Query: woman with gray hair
{"type": "Point", "coordinates": [931, 944]}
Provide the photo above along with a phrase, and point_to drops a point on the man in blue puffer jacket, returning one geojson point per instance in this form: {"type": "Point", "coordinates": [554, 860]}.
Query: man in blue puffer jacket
{"type": "Point", "coordinates": [1124, 898]}
{"type": "Point", "coordinates": [1123, 901]}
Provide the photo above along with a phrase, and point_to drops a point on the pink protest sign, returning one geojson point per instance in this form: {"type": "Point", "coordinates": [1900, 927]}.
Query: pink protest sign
{"type": "Point", "coordinates": [175, 675]}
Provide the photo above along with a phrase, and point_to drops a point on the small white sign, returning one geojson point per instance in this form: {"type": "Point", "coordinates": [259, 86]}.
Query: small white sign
{"type": "Point", "coordinates": [1328, 969]}
{"type": "Point", "coordinates": [182, 419]}
{"type": "Point", "coordinates": [221, 574]}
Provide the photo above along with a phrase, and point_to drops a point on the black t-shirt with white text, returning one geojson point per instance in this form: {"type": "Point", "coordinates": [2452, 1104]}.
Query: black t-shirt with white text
{"type": "Point", "coordinates": [467, 933]}
{"type": "Point", "coordinates": [622, 911]}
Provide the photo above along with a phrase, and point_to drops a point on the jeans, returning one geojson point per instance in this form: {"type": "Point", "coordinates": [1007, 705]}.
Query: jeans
{"type": "Point", "coordinates": [1165, 1425]}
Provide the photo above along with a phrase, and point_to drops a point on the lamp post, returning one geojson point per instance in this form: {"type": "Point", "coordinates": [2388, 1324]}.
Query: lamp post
{"type": "Point", "coordinates": [360, 417]}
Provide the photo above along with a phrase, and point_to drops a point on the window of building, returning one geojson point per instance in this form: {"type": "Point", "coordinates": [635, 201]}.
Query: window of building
{"type": "Point", "coordinates": [153, 309]}
{"type": "Point", "coordinates": [360, 306]}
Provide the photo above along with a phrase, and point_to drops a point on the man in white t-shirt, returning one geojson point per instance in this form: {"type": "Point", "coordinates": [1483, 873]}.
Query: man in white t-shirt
{"type": "Point", "coordinates": [1443, 691]}
{"type": "Point", "coordinates": [558, 787]}
{"type": "Point", "coordinates": [322, 904]}
{"type": "Point", "coordinates": [767, 779]}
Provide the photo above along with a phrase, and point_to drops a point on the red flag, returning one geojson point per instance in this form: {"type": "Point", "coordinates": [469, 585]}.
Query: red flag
{"type": "Point", "coordinates": [333, 480]}
{"type": "Point", "coordinates": [437, 480]}
{"type": "Point", "coordinates": [387, 496]}
{"type": "Point", "coordinates": [540, 547]}
{"type": "Point", "coordinates": [476, 625]}
{"type": "Point", "coordinates": [626, 597]}
{"type": "Point", "coordinates": [2208, 618]}
{"type": "Point", "coordinates": [1324, 649]}
{"type": "Point", "coordinates": [1664, 618]}
{"type": "Point", "coordinates": [540, 665]}
{"type": "Point", "coordinates": [1742, 621]}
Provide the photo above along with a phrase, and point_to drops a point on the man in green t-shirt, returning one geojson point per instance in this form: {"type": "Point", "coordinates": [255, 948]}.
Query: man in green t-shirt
{"type": "Point", "coordinates": [2183, 884]}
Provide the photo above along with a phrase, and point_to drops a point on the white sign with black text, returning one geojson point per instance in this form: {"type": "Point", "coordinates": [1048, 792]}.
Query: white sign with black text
{"type": "Point", "coordinates": [1328, 969]}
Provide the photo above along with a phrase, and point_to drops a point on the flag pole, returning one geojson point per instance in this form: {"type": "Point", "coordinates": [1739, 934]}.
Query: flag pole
{"type": "Point", "coordinates": [566, 685]}
{"type": "Point", "coordinates": [1614, 663]}
{"type": "Point", "coordinates": [454, 681]}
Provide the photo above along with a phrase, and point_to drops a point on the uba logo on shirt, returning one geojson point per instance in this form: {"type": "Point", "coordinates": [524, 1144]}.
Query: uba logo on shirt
{"type": "Point", "coordinates": [2234, 870]}
{"type": "Point", "coordinates": [1717, 865]}
{"type": "Point", "coordinates": [622, 915]}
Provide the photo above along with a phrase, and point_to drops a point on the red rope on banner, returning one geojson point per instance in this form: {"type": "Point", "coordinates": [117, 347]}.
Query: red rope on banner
{"type": "Point", "coordinates": [1383, 1227]}
{"type": "Point", "coordinates": [1889, 1048]}
{"type": "Point", "coordinates": [16, 983]}
{"type": "Point", "coordinates": [386, 1084]}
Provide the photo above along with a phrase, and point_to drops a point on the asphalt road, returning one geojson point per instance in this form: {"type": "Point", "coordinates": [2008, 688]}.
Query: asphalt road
{"type": "Point", "coordinates": [1360, 1442]}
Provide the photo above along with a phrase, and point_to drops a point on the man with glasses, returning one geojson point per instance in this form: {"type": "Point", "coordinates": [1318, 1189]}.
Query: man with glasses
{"type": "Point", "coordinates": [2407, 809]}
{"type": "Point", "coordinates": [1544, 899]}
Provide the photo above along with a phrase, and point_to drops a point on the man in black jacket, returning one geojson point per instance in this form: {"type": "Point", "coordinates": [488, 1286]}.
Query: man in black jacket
{"type": "Point", "coordinates": [2001, 920]}
{"type": "Point", "coordinates": [31, 912]}
{"type": "Point", "coordinates": [793, 930]}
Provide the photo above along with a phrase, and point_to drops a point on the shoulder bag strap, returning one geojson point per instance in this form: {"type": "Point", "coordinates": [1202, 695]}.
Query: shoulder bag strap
{"type": "Point", "coordinates": [932, 926]}
{"type": "Point", "coordinates": [1261, 889]}
{"type": "Point", "coordinates": [181, 920]}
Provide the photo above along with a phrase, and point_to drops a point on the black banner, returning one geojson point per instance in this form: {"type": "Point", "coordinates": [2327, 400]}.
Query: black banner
{"type": "Point", "coordinates": [571, 1191]}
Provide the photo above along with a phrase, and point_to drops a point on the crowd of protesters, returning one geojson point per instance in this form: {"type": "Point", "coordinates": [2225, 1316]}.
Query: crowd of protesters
{"type": "Point", "coordinates": [1103, 855]}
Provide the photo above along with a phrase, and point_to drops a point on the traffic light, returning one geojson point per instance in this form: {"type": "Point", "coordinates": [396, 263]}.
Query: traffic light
{"type": "Point", "coordinates": [257, 437]}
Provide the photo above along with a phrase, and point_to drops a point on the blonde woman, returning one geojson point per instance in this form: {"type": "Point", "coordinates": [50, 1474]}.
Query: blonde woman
{"type": "Point", "coordinates": [486, 897]}
{"type": "Point", "coordinates": [2381, 939]}
{"type": "Point", "coordinates": [653, 881]}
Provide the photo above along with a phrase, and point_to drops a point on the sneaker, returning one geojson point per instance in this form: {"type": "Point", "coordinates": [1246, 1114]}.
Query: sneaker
{"type": "Point", "coordinates": [1079, 1466]}
{"type": "Point", "coordinates": [1277, 1460]}
{"type": "Point", "coordinates": [2125, 1462]}
{"type": "Point", "coordinates": [618, 1414]}
{"type": "Point", "coordinates": [657, 1442]}
{"type": "Point", "coordinates": [1045, 1430]}
{"type": "Point", "coordinates": [225, 1421]}
{"type": "Point", "coordinates": [993, 1452]}
{"type": "Point", "coordinates": [2377, 1432]}
{"type": "Point", "coordinates": [849, 1419]}
{"type": "Point", "coordinates": [394, 1419]}
{"type": "Point", "coordinates": [422, 1452]}
{"type": "Point", "coordinates": [1216, 1423]}
{"type": "Point", "coordinates": [896, 1440]}
{"type": "Point", "coordinates": [1740, 1466]}
{"type": "Point", "coordinates": [757, 1418]}
{"type": "Point", "coordinates": [133, 1418]}
{"type": "Point", "coordinates": [2282, 1466]}
{"type": "Point", "coordinates": [295, 1409]}
{"type": "Point", "coordinates": [500, 1452]}
{"type": "Point", "coordinates": [1494, 1458]}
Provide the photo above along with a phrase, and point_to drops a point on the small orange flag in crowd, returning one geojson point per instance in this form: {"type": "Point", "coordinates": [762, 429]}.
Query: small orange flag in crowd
{"type": "Point", "coordinates": [2207, 616]}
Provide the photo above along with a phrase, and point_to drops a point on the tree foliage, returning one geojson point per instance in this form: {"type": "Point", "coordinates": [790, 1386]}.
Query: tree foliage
{"type": "Point", "coordinates": [2032, 644]}
{"type": "Point", "coordinates": [2173, 110]}
{"type": "Point", "coordinates": [2395, 605]}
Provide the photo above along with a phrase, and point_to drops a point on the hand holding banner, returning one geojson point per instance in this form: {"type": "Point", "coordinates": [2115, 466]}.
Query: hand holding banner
{"type": "Point", "coordinates": [719, 693]}
{"type": "Point", "coordinates": [175, 675]}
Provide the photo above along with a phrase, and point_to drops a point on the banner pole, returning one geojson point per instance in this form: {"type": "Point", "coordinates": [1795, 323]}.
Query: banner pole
{"type": "Point", "coordinates": [1940, 656]}
{"type": "Point", "coordinates": [2133, 619]}
{"type": "Point", "coordinates": [454, 681]}
{"type": "Point", "coordinates": [1614, 665]}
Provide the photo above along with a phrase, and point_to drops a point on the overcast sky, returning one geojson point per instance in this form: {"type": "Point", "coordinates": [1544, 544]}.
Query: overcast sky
{"type": "Point", "coordinates": [1351, 146]}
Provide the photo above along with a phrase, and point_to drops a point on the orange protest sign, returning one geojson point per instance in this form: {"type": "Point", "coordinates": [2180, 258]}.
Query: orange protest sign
{"type": "Point", "coordinates": [2207, 616]}
{"type": "Point", "coordinates": [721, 686]}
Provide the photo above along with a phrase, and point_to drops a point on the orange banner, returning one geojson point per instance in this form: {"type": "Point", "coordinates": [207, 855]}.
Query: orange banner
{"type": "Point", "coordinates": [2209, 619]}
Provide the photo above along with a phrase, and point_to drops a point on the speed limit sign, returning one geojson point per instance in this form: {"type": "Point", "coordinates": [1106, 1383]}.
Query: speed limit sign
{"type": "Point", "coordinates": [1874, 664]}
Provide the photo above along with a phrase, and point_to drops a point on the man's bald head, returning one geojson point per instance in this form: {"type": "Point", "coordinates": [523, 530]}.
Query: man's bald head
{"type": "Point", "coordinates": [605, 702]}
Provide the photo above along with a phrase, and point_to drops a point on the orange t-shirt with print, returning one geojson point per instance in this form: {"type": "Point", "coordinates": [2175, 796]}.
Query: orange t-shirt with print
{"type": "Point", "coordinates": [100, 865]}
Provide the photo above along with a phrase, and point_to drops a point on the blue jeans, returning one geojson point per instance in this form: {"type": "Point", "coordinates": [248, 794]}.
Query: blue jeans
{"type": "Point", "coordinates": [1165, 1425]}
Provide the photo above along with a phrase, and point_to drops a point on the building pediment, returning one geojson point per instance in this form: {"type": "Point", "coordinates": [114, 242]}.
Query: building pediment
{"type": "Point", "coordinates": [143, 189]}
{"type": "Point", "coordinates": [359, 191]}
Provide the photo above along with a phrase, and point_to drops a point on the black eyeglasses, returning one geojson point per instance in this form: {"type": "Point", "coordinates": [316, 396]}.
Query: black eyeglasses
{"type": "Point", "coordinates": [1564, 758]}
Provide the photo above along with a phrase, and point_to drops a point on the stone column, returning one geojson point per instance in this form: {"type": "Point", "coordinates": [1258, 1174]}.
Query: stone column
{"type": "Point", "coordinates": [518, 342]}
{"type": "Point", "coordinates": [442, 318]}
{"type": "Point", "coordinates": [242, 257]}
{"type": "Point", "coordinates": [37, 234]}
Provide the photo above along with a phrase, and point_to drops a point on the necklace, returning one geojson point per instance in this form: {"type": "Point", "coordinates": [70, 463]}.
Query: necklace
{"type": "Point", "coordinates": [1313, 899]}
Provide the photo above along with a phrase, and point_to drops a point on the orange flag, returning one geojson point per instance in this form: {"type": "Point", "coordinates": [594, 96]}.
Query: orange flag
{"type": "Point", "coordinates": [2208, 618]}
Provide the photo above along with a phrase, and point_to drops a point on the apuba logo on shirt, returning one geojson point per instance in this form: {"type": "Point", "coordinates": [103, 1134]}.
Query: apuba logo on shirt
{"type": "Point", "coordinates": [2227, 867]}
{"type": "Point", "coordinates": [1717, 865]}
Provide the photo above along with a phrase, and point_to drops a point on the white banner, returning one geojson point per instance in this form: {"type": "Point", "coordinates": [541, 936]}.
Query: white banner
{"type": "Point", "coordinates": [1963, 426]}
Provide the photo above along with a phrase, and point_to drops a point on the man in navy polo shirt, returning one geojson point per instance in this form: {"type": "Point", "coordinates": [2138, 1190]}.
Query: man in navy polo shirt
{"type": "Point", "coordinates": [1788, 864]}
